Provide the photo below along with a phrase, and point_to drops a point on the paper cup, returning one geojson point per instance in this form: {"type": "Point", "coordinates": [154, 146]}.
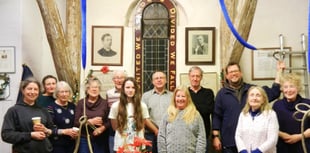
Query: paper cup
{"type": "Point", "coordinates": [76, 129]}
{"type": "Point", "coordinates": [36, 120]}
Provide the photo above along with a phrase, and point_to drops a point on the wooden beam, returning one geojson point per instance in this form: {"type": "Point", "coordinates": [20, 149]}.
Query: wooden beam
{"type": "Point", "coordinates": [241, 13]}
{"type": "Point", "coordinates": [65, 49]}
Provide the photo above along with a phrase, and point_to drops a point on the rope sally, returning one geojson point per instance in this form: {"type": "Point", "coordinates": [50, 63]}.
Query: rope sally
{"type": "Point", "coordinates": [232, 28]}
{"type": "Point", "coordinates": [303, 110]}
{"type": "Point", "coordinates": [83, 122]}
{"type": "Point", "coordinates": [83, 119]}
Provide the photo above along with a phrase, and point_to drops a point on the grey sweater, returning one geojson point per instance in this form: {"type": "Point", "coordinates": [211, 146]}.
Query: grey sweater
{"type": "Point", "coordinates": [179, 137]}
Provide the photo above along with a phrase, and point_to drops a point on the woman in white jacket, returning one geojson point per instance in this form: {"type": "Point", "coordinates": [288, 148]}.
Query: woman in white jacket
{"type": "Point", "coordinates": [257, 129]}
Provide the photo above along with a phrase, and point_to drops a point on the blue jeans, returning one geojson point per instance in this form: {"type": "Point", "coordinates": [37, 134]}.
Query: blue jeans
{"type": "Point", "coordinates": [97, 148]}
{"type": "Point", "coordinates": [111, 143]}
{"type": "Point", "coordinates": [153, 138]}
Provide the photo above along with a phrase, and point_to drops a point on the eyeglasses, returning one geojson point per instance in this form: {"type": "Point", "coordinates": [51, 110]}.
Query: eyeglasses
{"type": "Point", "coordinates": [157, 78]}
{"type": "Point", "coordinates": [233, 71]}
{"type": "Point", "coordinates": [64, 91]}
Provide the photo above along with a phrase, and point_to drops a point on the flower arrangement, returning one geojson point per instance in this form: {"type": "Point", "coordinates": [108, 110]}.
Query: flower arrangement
{"type": "Point", "coordinates": [105, 69]}
{"type": "Point", "coordinates": [5, 82]}
{"type": "Point", "coordinates": [137, 146]}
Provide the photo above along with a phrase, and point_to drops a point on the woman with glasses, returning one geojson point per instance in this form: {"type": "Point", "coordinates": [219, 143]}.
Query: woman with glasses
{"type": "Point", "coordinates": [92, 118]}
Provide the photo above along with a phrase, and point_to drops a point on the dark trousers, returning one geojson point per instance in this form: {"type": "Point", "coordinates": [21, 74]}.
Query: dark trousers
{"type": "Point", "coordinates": [230, 149]}
{"type": "Point", "coordinates": [153, 138]}
{"type": "Point", "coordinates": [63, 149]}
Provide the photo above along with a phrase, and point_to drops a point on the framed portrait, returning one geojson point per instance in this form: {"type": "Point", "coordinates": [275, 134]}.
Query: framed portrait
{"type": "Point", "coordinates": [209, 80]}
{"type": "Point", "coordinates": [200, 45]}
{"type": "Point", "coordinates": [107, 45]}
{"type": "Point", "coordinates": [7, 59]}
{"type": "Point", "coordinates": [264, 64]}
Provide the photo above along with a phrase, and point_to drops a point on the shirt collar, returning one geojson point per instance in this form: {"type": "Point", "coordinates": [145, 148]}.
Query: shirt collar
{"type": "Point", "coordinates": [115, 90]}
{"type": "Point", "coordinates": [164, 92]}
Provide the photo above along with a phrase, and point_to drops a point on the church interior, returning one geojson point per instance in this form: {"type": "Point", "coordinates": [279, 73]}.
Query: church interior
{"type": "Point", "coordinates": [62, 39]}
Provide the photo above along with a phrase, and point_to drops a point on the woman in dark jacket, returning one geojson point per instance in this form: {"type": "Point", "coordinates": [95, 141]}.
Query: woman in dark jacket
{"type": "Point", "coordinates": [290, 136]}
{"type": "Point", "coordinates": [18, 128]}
{"type": "Point", "coordinates": [62, 113]}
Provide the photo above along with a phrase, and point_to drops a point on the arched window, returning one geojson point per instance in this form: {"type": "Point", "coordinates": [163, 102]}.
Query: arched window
{"type": "Point", "coordinates": [155, 26]}
{"type": "Point", "coordinates": [155, 33]}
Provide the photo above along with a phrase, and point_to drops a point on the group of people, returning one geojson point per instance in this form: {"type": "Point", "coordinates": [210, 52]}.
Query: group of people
{"type": "Point", "coordinates": [242, 119]}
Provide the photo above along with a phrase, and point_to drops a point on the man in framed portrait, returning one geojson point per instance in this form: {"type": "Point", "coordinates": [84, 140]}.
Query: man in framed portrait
{"type": "Point", "coordinates": [201, 47]}
{"type": "Point", "coordinates": [106, 50]}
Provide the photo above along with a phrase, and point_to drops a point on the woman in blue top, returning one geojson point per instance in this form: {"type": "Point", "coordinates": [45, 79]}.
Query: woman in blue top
{"type": "Point", "coordinates": [290, 135]}
{"type": "Point", "coordinates": [49, 85]}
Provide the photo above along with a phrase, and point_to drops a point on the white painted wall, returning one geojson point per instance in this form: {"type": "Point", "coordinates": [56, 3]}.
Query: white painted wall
{"type": "Point", "coordinates": [273, 18]}
{"type": "Point", "coordinates": [21, 26]}
{"type": "Point", "coordinates": [10, 35]}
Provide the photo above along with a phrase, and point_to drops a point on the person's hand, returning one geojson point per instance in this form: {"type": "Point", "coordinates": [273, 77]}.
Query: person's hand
{"type": "Point", "coordinates": [39, 127]}
{"type": "Point", "coordinates": [38, 135]}
{"type": "Point", "coordinates": [280, 65]}
{"type": "Point", "coordinates": [293, 138]}
{"type": "Point", "coordinates": [70, 132]}
{"type": "Point", "coordinates": [98, 131]}
{"type": "Point", "coordinates": [217, 145]}
{"type": "Point", "coordinates": [156, 132]}
{"type": "Point", "coordinates": [96, 121]}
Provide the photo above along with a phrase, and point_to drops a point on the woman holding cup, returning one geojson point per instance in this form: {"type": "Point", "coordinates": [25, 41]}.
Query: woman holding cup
{"type": "Point", "coordinates": [18, 128]}
{"type": "Point", "coordinates": [62, 112]}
